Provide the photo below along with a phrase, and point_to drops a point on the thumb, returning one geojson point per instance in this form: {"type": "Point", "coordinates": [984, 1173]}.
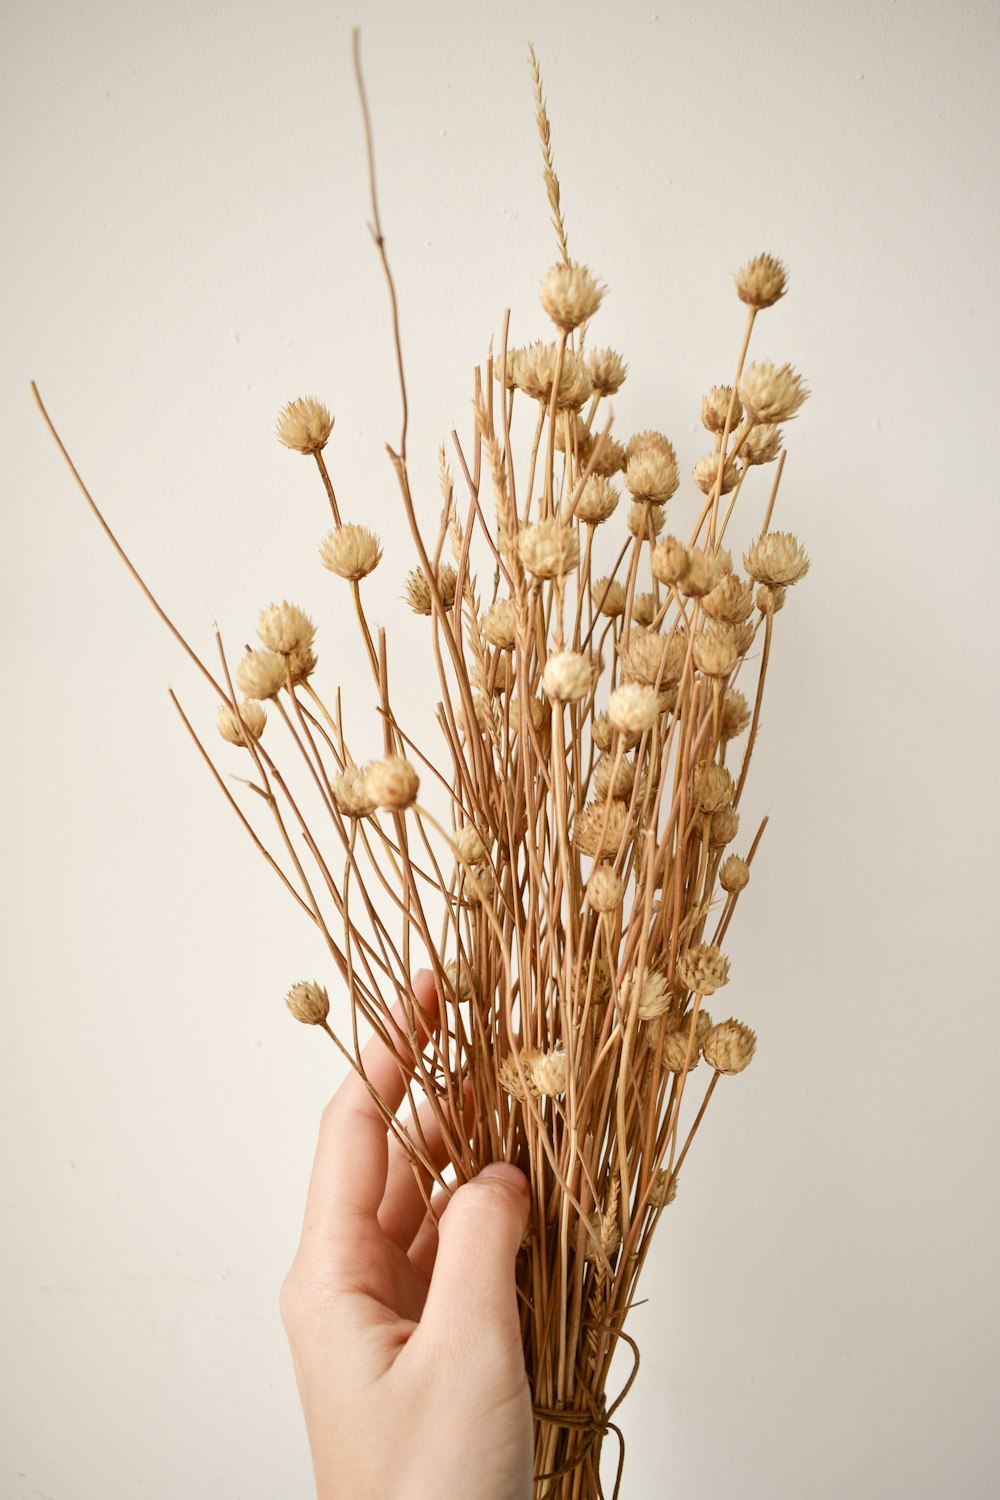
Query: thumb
{"type": "Point", "coordinates": [472, 1285]}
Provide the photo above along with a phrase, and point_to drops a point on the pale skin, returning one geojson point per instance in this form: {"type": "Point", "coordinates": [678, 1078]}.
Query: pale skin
{"type": "Point", "coordinates": [404, 1332]}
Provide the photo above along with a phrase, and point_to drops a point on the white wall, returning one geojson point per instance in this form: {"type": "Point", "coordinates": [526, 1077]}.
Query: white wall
{"type": "Point", "coordinates": [186, 250]}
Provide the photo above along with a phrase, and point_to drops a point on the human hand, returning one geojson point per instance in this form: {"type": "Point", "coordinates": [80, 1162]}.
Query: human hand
{"type": "Point", "coordinates": [404, 1334]}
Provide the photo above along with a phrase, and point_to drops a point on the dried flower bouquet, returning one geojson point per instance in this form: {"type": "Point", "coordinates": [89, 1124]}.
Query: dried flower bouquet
{"type": "Point", "coordinates": [571, 876]}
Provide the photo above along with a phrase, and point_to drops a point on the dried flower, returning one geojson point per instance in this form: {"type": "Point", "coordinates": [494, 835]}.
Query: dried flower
{"type": "Point", "coordinates": [651, 474]}
{"type": "Point", "coordinates": [664, 1189]}
{"type": "Point", "coordinates": [534, 372]}
{"type": "Point", "coordinates": [605, 889]}
{"type": "Point", "coordinates": [648, 992]}
{"type": "Point", "coordinates": [669, 560]}
{"type": "Point", "coordinates": [735, 714]}
{"type": "Point", "coordinates": [731, 600]}
{"type": "Point", "coordinates": [478, 884]}
{"type": "Point", "coordinates": [549, 548]}
{"type": "Point", "coordinates": [284, 627]}
{"type": "Point", "coordinates": [761, 445]}
{"type": "Point", "coordinates": [645, 521]}
{"type": "Point", "coordinates": [714, 650]}
{"type": "Point", "coordinates": [548, 1073]}
{"type": "Point", "coordinates": [715, 409]}
{"type": "Point", "coordinates": [598, 500]}
{"type": "Point", "coordinates": [392, 783]}
{"type": "Point", "coordinates": [761, 281]}
{"type": "Point", "coordinates": [772, 393]}
{"type": "Point", "coordinates": [308, 1003]}
{"type": "Point", "coordinates": [539, 710]}
{"type": "Point", "coordinates": [458, 979]}
{"type": "Point", "coordinates": [704, 570]}
{"type": "Point", "coordinates": [734, 874]}
{"type": "Point", "coordinates": [508, 1076]}
{"type": "Point", "coordinates": [634, 707]}
{"type": "Point", "coordinates": [570, 295]}
{"type": "Point", "coordinates": [706, 474]}
{"type": "Point", "coordinates": [568, 676]}
{"type": "Point", "coordinates": [713, 786]}
{"type": "Point", "coordinates": [305, 425]}
{"type": "Point", "coordinates": [417, 592]}
{"type": "Point", "coordinates": [614, 774]}
{"type": "Point", "coordinates": [253, 716]}
{"type": "Point", "coordinates": [644, 609]}
{"type": "Point", "coordinates": [730, 1046]}
{"type": "Point", "coordinates": [469, 845]}
{"type": "Point", "coordinates": [350, 792]}
{"type": "Point", "coordinates": [500, 625]}
{"type": "Point", "coordinates": [610, 460]}
{"type": "Point", "coordinates": [652, 658]}
{"type": "Point", "coordinates": [609, 597]}
{"type": "Point", "coordinates": [776, 557]}
{"type": "Point", "coordinates": [261, 674]}
{"type": "Point", "coordinates": [607, 371]}
{"type": "Point", "coordinates": [676, 1045]}
{"type": "Point", "coordinates": [648, 438]}
{"type": "Point", "coordinates": [301, 664]}
{"type": "Point", "coordinates": [601, 828]}
{"type": "Point", "coordinates": [703, 969]}
{"type": "Point", "coordinates": [350, 551]}
{"type": "Point", "coordinates": [770, 600]}
{"type": "Point", "coordinates": [723, 826]}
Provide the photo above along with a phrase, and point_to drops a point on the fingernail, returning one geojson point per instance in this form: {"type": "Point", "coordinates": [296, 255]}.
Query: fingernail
{"type": "Point", "coordinates": [505, 1171]}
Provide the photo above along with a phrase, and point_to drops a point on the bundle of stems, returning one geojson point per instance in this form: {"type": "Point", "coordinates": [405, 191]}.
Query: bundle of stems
{"type": "Point", "coordinates": [569, 876]}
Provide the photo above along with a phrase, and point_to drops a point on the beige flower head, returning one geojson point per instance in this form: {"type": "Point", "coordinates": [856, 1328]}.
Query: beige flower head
{"type": "Point", "coordinates": [704, 570]}
{"type": "Point", "coordinates": [598, 500]}
{"type": "Point", "coordinates": [350, 792]}
{"type": "Point", "coordinates": [676, 1045]}
{"type": "Point", "coordinates": [761, 281]}
{"type": "Point", "coordinates": [549, 548]}
{"type": "Point", "coordinates": [761, 445]}
{"type": "Point", "coordinates": [614, 774]}
{"type": "Point", "coordinates": [499, 625]}
{"type": "Point", "coordinates": [730, 1046]}
{"type": "Point", "coordinates": [568, 676]}
{"type": "Point", "coordinates": [634, 707]}
{"type": "Point", "coordinates": [351, 551]}
{"type": "Point", "coordinates": [706, 474]}
{"type": "Point", "coordinates": [735, 714]}
{"type": "Point", "coordinates": [772, 393]}
{"type": "Point", "coordinates": [777, 557]}
{"type": "Point", "coordinates": [605, 889]}
{"type": "Point", "coordinates": [664, 1189]}
{"type": "Point", "coordinates": [771, 599]}
{"type": "Point", "coordinates": [723, 826]}
{"type": "Point", "coordinates": [459, 979]}
{"type": "Point", "coordinates": [308, 1003]}
{"type": "Point", "coordinates": [469, 845]}
{"type": "Point", "coordinates": [714, 650]}
{"type": "Point", "coordinates": [713, 786]}
{"type": "Point", "coordinates": [649, 992]}
{"type": "Point", "coordinates": [651, 474]}
{"type": "Point", "coordinates": [570, 295]}
{"type": "Point", "coordinates": [284, 627]}
{"type": "Point", "coordinates": [643, 609]}
{"type": "Point", "coordinates": [731, 600]}
{"type": "Point", "coordinates": [607, 371]}
{"type": "Point", "coordinates": [610, 460]}
{"type": "Point", "coordinates": [652, 658]}
{"type": "Point", "coordinates": [600, 828]}
{"type": "Point", "coordinates": [539, 709]}
{"type": "Point", "coordinates": [734, 875]}
{"type": "Point", "coordinates": [534, 373]}
{"type": "Point", "coordinates": [609, 597]}
{"type": "Point", "coordinates": [392, 783]}
{"type": "Point", "coordinates": [645, 521]}
{"type": "Point", "coordinates": [261, 674]}
{"type": "Point", "coordinates": [253, 718]}
{"type": "Point", "coordinates": [417, 592]}
{"type": "Point", "coordinates": [649, 438]}
{"type": "Point", "coordinates": [478, 883]}
{"type": "Point", "coordinates": [547, 1074]}
{"type": "Point", "coordinates": [301, 663]}
{"type": "Point", "coordinates": [305, 425]}
{"type": "Point", "coordinates": [715, 409]}
{"type": "Point", "coordinates": [703, 969]}
{"type": "Point", "coordinates": [669, 560]}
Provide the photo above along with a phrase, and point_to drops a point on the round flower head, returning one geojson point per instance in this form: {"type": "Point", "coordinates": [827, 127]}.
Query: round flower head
{"type": "Point", "coordinates": [478, 884]}
{"type": "Point", "coordinates": [614, 774]}
{"type": "Point", "coordinates": [761, 445]}
{"type": "Point", "coordinates": [469, 845]}
{"type": "Point", "coordinates": [417, 592]}
{"type": "Point", "coordinates": [634, 707]}
{"type": "Point", "coordinates": [548, 1073]}
{"type": "Point", "coordinates": [253, 718]}
{"type": "Point", "coordinates": [730, 1046]}
{"type": "Point", "coordinates": [776, 557]}
{"type": "Point", "coordinates": [734, 874]}
{"type": "Point", "coordinates": [704, 570]}
{"type": "Point", "coordinates": [308, 1003]}
{"type": "Point", "coordinates": [305, 425]}
{"type": "Point", "coordinates": [598, 500]}
{"type": "Point", "coordinates": [715, 409]}
{"type": "Point", "coordinates": [643, 609]}
{"type": "Point", "coordinates": [301, 663]}
{"type": "Point", "coordinates": [703, 969]}
{"type": "Point", "coordinates": [284, 627]}
{"type": "Point", "coordinates": [549, 548]}
{"type": "Point", "coordinates": [715, 651]}
{"type": "Point", "coordinates": [652, 658]}
{"type": "Point", "coordinates": [609, 460]}
{"type": "Point", "coordinates": [261, 674]}
{"type": "Point", "coordinates": [392, 783]}
{"type": "Point", "coordinates": [706, 474]}
{"type": "Point", "coordinates": [681, 1020]}
{"type": "Point", "coordinates": [459, 979]}
{"type": "Point", "coordinates": [645, 520]}
{"type": "Point", "coordinates": [713, 786]}
{"type": "Point", "coordinates": [568, 676]}
{"type": "Point", "coordinates": [723, 826]}
{"type": "Point", "coordinates": [605, 889]}
{"type": "Point", "coordinates": [664, 1188]}
{"type": "Point", "coordinates": [609, 597]}
{"type": "Point", "coordinates": [350, 792]}
{"type": "Point", "coordinates": [539, 710]}
{"type": "Point", "coordinates": [651, 474]}
{"type": "Point", "coordinates": [731, 600]}
{"type": "Point", "coordinates": [676, 1048]}
{"type": "Point", "coordinates": [761, 281]}
{"type": "Point", "coordinates": [669, 560]}
{"type": "Point", "coordinates": [735, 714]}
{"type": "Point", "coordinates": [649, 992]}
{"type": "Point", "coordinates": [772, 393]}
{"type": "Point", "coordinates": [534, 373]}
{"type": "Point", "coordinates": [607, 371]}
{"type": "Point", "coordinates": [770, 600]}
{"type": "Point", "coordinates": [601, 827]}
{"type": "Point", "coordinates": [351, 551]}
{"type": "Point", "coordinates": [570, 295]}
{"type": "Point", "coordinates": [500, 625]}
{"type": "Point", "coordinates": [649, 438]}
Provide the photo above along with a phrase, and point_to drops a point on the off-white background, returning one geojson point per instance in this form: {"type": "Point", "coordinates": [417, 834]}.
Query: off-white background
{"type": "Point", "coordinates": [186, 250]}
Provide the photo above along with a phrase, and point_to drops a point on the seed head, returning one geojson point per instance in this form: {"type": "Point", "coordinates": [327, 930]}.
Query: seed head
{"type": "Point", "coordinates": [568, 676]}
{"type": "Point", "coordinates": [772, 393]}
{"type": "Point", "coordinates": [508, 1076]}
{"type": "Point", "coordinates": [350, 792]}
{"type": "Point", "coordinates": [539, 709]}
{"type": "Point", "coordinates": [761, 281]}
{"type": "Point", "coordinates": [649, 991]}
{"type": "Point", "coordinates": [261, 674]}
{"type": "Point", "coordinates": [652, 658]}
{"type": "Point", "coordinates": [308, 1003]}
{"type": "Point", "coordinates": [703, 969]}
{"type": "Point", "coordinates": [500, 625]}
{"type": "Point", "coordinates": [570, 295]}
{"type": "Point", "coordinates": [713, 786]}
{"type": "Point", "coordinates": [392, 783]}
{"type": "Point", "coordinates": [478, 884]}
{"type": "Point", "coordinates": [598, 500]}
{"type": "Point", "coordinates": [704, 570]}
{"type": "Point", "coordinates": [723, 826]}
{"type": "Point", "coordinates": [601, 827]}
{"type": "Point", "coordinates": [669, 560]}
{"type": "Point", "coordinates": [548, 1073]}
{"type": "Point", "coordinates": [607, 371]}
{"type": "Point", "coordinates": [534, 372]}
{"type": "Point", "coordinates": [614, 774]}
{"type": "Point", "coordinates": [761, 445]}
{"type": "Point", "coordinates": [735, 714]}
{"type": "Point", "coordinates": [609, 597]}
{"type": "Point", "coordinates": [284, 627]}
{"type": "Point", "coordinates": [549, 548]}
{"type": "Point", "coordinates": [649, 438]}
{"type": "Point", "coordinates": [770, 600]}
{"type": "Point", "coordinates": [605, 889]}
{"type": "Point", "coordinates": [651, 474]}
{"type": "Point", "coordinates": [417, 592]}
{"type": "Point", "coordinates": [610, 460]}
{"type": "Point", "coordinates": [675, 1051]}
{"type": "Point", "coordinates": [459, 979]}
{"type": "Point", "coordinates": [643, 519]}
{"type": "Point", "coordinates": [305, 425]}
{"type": "Point", "coordinates": [301, 664]}
{"type": "Point", "coordinates": [731, 600]}
{"type": "Point", "coordinates": [634, 707]}
{"type": "Point", "coordinates": [706, 473]}
{"type": "Point", "coordinates": [664, 1189]}
{"type": "Point", "coordinates": [714, 650]}
{"type": "Point", "coordinates": [734, 874]}
{"type": "Point", "coordinates": [777, 557]}
{"type": "Point", "coordinates": [715, 409]}
{"type": "Point", "coordinates": [730, 1046]}
{"type": "Point", "coordinates": [469, 845]}
{"type": "Point", "coordinates": [351, 551]}
{"type": "Point", "coordinates": [253, 716]}
{"type": "Point", "coordinates": [643, 609]}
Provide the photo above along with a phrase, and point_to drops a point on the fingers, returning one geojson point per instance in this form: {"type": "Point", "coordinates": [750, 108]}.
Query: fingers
{"type": "Point", "coordinates": [349, 1171]}
{"type": "Point", "coordinates": [404, 1204]}
{"type": "Point", "coordinates": [472, 1284]}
